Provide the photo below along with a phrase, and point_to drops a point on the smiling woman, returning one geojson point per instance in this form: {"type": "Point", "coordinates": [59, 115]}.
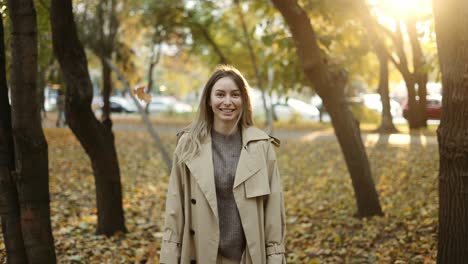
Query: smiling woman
{"type": "Point", "coordinates": [224, 201]}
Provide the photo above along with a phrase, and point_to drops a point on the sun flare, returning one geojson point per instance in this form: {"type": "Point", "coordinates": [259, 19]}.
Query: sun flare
{"type": "Point", "coordinates": [401, 8]}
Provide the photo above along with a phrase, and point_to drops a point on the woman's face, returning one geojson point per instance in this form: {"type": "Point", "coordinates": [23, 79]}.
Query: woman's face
{"type": "Point", "coordinates": [225, 101]}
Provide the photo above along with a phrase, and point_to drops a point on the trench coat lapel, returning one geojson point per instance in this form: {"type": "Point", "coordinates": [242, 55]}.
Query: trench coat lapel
{"type": "Point", "coordinates": [202, 170]}
{"type": "Point", "coordinates": [249, 163]}
{"type": "Point", "coordinates": [201, 166]}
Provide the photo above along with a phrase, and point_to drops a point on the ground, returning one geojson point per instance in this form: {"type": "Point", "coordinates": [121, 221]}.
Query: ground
{"type": "Point", "coordinates": [318, 193]}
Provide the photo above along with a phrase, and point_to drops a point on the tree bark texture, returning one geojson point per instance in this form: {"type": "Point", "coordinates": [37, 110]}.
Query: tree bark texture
{"type": "Point", "coordinates": [9, 203]}
{"type": "Point", "coordinates": [96, 138]}
{"type": "Point", "coordinates": [451, 27]}
{"type": "Point", "coordinates": [329, 84]}
{"type": "Point", "coordinates": [31, 156]}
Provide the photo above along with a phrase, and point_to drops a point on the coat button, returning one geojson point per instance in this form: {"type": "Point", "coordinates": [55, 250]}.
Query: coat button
{"type": "Point", "coordinates": [192, 232]}
{"type": "Point", "coordinates": [193, 201]}
{"type": "Point", "coordinates": [193, 262]}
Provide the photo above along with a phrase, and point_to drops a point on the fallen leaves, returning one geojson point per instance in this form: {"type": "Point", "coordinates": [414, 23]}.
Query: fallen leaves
{"type": "Point", "coordinates": [320, 223]}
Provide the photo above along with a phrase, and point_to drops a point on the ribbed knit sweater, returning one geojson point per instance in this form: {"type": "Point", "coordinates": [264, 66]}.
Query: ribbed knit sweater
{"type": "Point", "coordinates": [226, 151]}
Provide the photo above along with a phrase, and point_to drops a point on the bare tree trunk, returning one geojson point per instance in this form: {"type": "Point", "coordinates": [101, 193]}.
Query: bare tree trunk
{"type": "Point", "coordinates": [329, 84]}
{"type": "Point", "coordinates": [386, 124]}
{"type": "Point", "coordinates": [154, 60]}
{"type": "Point", "coordinates": [96, 138]}
{"type": "Point", "coordinates": [144, 116]}
{"type": "Point", "coordinates": [31, 155]}
{"type": "Point", "coordinates": [420, 73]}
{"type": "Point", "coordinates": [9, 204]}
{"type": "Point", "coordinates": [106, 92]}
{"type": "Point", "coordinates": [253, 59]}
{"type": "Point", "coordinates": [451, 27]}
{"type": "Point", "coordinates": [416, 112]}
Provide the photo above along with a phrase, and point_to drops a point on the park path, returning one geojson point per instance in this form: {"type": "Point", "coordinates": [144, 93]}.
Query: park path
{"type": "Point", "coordinates": [369, 139]}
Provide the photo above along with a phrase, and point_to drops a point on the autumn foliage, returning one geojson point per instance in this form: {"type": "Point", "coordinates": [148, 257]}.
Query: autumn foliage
{"type": "Point", "coordinates": [318, 194]}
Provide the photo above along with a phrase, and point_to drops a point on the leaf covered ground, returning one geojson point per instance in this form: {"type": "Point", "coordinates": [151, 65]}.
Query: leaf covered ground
{"type": "Point", "coordinates": [319, 202]}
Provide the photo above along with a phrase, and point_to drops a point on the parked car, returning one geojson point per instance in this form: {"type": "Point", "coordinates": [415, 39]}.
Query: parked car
{"type": "Point", "coordinates": [121, 105]}
{"type": "Point", "coordinates": [374, 102]}
{"type": "Point", "coordinates": [287, 110]}
{"type": "Point", "coordinates": [433, 107]}
{"type": "Point", "coordinates": [161, 104]}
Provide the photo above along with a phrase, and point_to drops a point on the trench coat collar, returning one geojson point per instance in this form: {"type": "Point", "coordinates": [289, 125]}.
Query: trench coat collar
{"type": "Point", "coordinates": [201, 166]}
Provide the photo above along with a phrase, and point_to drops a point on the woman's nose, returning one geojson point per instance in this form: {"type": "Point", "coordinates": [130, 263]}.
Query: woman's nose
{"type": "Point", "coordinates": [227, 100]}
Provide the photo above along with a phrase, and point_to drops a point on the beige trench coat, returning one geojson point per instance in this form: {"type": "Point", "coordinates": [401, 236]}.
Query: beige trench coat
{"type": "Point", "coordinates": [191, 231]}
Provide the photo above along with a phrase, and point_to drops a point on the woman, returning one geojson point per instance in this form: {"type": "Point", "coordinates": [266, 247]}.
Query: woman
{"type": "Point", "coordinates": [224, 201]}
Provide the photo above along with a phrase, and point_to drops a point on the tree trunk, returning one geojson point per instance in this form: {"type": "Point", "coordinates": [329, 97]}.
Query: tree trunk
{"type": "Point", "coordinates": [31, 155]}
{"type": "Point", "coordinates": [413, 108]}
{"type": "Point", "coordinates": [106, 92]}
{"type": "Point", "coordinates": [410, 78]}
{"type": "Point", "coordinates": [329, 85]}
{"type": "Point", "coordinates": [97, 139]}
{"type": "Point", "coordinates": [144, 116]}
{"type": "Point", "coordinates": [420, 73]}
{"type": "Point", "coordinates": [253, 59]}
{"type": "Point", "coordinates": [9, 206]}
{"type": "Point", "coordinates": [386, 124]}
{"type": "Point", "coordinates": [154, 60]}
{"type": "Point", "coordinates": [451, 27]}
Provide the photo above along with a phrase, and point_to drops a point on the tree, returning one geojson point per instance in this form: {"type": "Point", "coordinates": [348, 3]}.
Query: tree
{"type": "Point", "coordinates": [9, 203]}
{"type": "Point", "coordinates": [415, 79]}
{"type": "Point", "coordinates": [31, 157]}
{"type": "Point", "coordinates": [329, 82]}
{"type": "Point", "coordinates": [258, 77]}
{"type": "Point", "coordinates": [96, 138]}
{"type": "Point", "coordinates": [380, 50]}
{"type": "Point", "coordinates": [451, 27]}
{"type": "Point", "coordinates": [386, 124]}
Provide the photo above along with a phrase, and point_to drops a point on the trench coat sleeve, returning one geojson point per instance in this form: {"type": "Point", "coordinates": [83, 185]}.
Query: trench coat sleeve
{"type": "Point", "coordinates": [275, 218]}
{"type": "Point", "coordinates": [174, 216]}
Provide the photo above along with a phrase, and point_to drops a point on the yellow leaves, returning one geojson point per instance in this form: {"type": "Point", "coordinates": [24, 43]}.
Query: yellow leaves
{"type": "Point", "coordinates": [319, 200]}
{"type": "Point", "coordinates": [140, 93]}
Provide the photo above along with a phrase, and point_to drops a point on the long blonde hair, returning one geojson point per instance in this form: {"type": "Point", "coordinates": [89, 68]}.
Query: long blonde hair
{"type": "Point", "coordinates": [200, 128]}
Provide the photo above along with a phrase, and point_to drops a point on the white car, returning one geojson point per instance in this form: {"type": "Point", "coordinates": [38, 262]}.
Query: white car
{"type": "Point", "coordinates": [374, 102]}
{"type": "Point", "coordinates": [165, 104]}
{"type": "Point", "coordinates": [286, 111]}
{"type": "Point", "coordinates": [122, 105]}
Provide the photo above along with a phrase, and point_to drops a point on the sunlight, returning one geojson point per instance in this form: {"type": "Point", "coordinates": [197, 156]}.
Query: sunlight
{"type": "Point", "coordinates": [404, 8]}
{"type": "Point", "coordinates": [401, 8]}
{"type": "Point", "coordinates": [388, 12]}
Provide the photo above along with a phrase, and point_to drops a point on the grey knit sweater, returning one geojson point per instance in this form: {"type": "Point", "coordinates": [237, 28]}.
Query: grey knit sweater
{"type": "Point", "coordinates": [226, 152]}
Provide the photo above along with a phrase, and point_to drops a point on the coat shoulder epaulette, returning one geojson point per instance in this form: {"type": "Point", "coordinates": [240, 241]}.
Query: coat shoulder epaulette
{"type": "Point", "coordinates": [275, 141]}
{"type": "Point", "coordinates": [180, 133]}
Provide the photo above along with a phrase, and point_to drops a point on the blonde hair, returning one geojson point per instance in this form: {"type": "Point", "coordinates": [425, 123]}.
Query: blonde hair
{"type": "Point", "coordinates": [201, 127]}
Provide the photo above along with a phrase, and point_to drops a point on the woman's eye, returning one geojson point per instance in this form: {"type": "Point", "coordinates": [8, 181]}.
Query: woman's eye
{"type": "Point", "coordinates": [219, 95]}
{"type": "Point", "coordinates": [236, 95]}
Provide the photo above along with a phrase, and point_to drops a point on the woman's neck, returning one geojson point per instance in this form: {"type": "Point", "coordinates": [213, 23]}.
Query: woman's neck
{"type": "Point", "coordinates": [224, 128]}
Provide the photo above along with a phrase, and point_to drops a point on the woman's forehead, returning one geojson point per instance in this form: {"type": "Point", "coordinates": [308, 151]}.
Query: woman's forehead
{"type": "Point", "coordinates": [225, 84]}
